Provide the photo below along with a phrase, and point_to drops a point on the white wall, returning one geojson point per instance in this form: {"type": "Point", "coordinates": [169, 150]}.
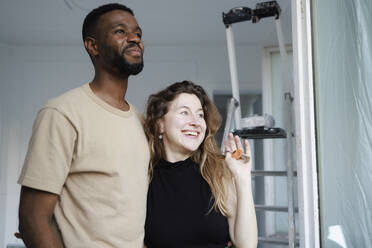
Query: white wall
{"type": "Point", "coordinates": [4, 84]}
{"type": "Point", "coordinates": [206, 65]}
{"type": "Point", "coordinates": [31, 75]}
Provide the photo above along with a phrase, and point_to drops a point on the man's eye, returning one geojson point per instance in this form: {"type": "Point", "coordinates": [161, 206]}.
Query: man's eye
{"type": "Point", "coordinates": [184, 113]}
{"type": "Point", "coordinates": [139, 35]}
{"type": "Point", "coordinates": [120, 31]}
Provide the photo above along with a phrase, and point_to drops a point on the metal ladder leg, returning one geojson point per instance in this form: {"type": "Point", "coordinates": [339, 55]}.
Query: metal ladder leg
{"type": "Point", "coordinates": [289, 126]}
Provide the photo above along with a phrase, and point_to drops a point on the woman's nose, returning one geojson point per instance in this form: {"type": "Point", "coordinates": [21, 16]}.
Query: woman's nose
{"type": "Point", "coordinates": [194, 120]}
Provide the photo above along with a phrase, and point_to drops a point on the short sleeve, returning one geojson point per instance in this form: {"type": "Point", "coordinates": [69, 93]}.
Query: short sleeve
{"type": "Point", "coordinates": [50, 152]}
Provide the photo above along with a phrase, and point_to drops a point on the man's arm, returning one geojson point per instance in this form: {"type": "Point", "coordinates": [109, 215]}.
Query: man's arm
{"type": "Point", "coordinates": [36, 209]}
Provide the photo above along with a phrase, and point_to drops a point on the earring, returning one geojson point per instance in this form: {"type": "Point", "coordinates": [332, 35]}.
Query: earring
{"type": "Point", "coordinates": [160, 136]}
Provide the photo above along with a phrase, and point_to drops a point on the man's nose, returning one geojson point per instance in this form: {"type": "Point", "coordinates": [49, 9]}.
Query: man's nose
{"type": "Point", "coordinates": [133, 37]}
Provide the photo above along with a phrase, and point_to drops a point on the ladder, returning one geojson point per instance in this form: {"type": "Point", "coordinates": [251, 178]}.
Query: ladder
{"type": "Point", "coordinates": [263, 127]}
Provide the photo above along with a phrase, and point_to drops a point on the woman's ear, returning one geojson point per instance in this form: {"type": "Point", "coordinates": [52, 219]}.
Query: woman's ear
{"type": "Point", "coordinates": [160, 124]}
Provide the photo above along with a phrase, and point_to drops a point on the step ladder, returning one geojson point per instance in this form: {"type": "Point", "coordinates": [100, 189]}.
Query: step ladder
{"type": "Point", "coordinates": [263, 127]}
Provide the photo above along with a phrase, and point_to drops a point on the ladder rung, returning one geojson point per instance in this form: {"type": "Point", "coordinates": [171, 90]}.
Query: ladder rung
{"type": "Point", "coordinates": [261, 133]}
{"type": "Point", "coordinates": [271, 240]}
{"type": "Point", "coordinates": [271, 173]}
{"type": "Point", "coordinates": [273, 208]}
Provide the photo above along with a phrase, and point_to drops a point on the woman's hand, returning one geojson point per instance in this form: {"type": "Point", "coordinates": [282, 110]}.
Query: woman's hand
{"type": "Point", "coordinates": [240, 168]}
{"type": "Point", "coordinates": [242, 220]}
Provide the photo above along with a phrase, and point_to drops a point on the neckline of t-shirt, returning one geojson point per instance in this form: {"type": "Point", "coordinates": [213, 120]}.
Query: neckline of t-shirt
{"type": "Point", "coordinates": [106, 106]}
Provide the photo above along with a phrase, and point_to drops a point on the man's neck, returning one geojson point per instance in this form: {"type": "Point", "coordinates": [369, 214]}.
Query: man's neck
{"type": "Point", "coordinates": [111, 89]}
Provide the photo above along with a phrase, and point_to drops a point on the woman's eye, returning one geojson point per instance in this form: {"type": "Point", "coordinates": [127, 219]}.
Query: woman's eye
{"type": "Point", "coordinates": [184, 113]}
{"type": "Point", "coordinates": [201, 116]}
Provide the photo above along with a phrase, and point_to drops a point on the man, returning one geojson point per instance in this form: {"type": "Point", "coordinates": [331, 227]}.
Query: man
{"type": "Point", "coordinates": [84, 180]}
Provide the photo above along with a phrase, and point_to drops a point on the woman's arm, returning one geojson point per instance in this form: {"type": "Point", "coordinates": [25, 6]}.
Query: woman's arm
{"type": "Point", "coordinates": [242, 219]}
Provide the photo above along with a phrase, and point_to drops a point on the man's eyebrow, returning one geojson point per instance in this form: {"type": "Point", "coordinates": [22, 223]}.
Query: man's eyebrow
{"type": "Point", "coordinates": [124, 25]}
{"type": "Point", "coordinates": [118, 25]}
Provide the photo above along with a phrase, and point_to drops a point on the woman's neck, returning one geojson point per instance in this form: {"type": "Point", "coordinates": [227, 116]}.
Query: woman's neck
{"type": "Point", "coordinates": [173, 158]}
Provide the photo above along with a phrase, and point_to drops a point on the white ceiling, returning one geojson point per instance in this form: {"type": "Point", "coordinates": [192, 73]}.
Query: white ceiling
{"type": "Point", "coordinates": [164, 22]}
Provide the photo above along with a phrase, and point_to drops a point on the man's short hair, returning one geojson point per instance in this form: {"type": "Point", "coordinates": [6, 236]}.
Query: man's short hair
{"type": "Point", "coordinates": [90, 21]}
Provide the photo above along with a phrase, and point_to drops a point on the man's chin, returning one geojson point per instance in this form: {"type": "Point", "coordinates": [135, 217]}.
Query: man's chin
{"type": "Point", "coordinates": [134, 60]}
{"type": "Point", "coordinates": [133, 69]}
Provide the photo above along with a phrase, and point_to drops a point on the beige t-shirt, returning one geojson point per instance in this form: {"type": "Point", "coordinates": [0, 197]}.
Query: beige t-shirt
{"type": "Point", "coordinates": [95, 157]}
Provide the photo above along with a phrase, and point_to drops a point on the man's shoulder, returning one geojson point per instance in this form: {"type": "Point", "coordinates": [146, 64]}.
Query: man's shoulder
{"type": "Point", "coordinates": [72, 96]}
{"type": "Point", "coordinates": [68, 101]}
{"type": "Point", "coordinates": [137, 113]}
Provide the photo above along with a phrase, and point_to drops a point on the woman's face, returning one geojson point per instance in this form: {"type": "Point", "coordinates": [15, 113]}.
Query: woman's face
{"type": "Point", "coordinates": [183, 127]}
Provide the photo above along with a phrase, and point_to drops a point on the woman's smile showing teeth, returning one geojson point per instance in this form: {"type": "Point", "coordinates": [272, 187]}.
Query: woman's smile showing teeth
{"type": "Point", "coordinates": [191, 133]}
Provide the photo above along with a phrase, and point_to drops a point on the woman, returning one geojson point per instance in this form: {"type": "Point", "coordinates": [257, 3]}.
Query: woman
{"type": "Point", "coordinates": [196, 198]}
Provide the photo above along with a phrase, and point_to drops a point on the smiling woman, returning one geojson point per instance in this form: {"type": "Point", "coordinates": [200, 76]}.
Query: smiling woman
{"type": "Point", "coordinates": [192, 200]}
{"type": "Point", "coordinates": [183, 127]}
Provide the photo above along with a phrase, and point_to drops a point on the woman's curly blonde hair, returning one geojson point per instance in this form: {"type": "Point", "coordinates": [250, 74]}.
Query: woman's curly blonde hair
{"type": "Point", "coordinates": [208, 154]}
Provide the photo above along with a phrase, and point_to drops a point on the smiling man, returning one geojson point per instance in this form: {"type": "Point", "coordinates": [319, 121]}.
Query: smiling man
{"type": "Point", "coordinates": [84, 180]}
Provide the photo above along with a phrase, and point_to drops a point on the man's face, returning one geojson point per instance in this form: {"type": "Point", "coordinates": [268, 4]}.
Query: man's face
{"type": "Point", "coordinates": [119, 43]}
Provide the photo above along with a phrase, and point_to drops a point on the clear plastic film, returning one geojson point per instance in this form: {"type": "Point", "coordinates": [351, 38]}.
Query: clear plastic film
{"type": "Point", "coordinates": [342, 31]}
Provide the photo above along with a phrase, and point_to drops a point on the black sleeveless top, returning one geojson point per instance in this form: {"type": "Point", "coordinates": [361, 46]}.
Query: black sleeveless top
{"type": "Point", "coordinates": [178, 205]}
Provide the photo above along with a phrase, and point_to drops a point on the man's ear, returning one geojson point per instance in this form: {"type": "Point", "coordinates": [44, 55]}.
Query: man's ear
{"type": "Point", "coordinates": [90, 44]}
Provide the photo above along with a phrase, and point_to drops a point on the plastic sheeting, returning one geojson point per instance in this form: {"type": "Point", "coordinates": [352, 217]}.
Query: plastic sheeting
{"type": "Point", "coordinates": [343, 75]}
